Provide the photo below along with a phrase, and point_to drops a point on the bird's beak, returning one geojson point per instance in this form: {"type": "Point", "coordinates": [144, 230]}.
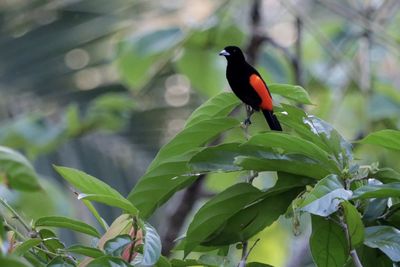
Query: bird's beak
{"type": "Point", "coordinates": [224, 53]}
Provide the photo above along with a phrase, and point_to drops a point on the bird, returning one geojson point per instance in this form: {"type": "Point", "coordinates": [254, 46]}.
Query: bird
{"type": "Point", "coordinates": [248, 85]}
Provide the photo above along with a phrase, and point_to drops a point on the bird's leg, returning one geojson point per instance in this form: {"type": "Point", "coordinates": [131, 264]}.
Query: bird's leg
{"type": "Point", "coordinates": [249, 111]}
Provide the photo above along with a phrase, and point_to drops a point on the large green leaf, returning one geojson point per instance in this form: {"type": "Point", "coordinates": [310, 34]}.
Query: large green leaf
{"type": "Point", "coordinates": [293, 92]}
{"type": "Point", "coordinates": [217, 211]}
{"type": "Point", "coordinates": [328, 243]}
{"type": "Point", "coordinates": [291, 163]}
{"type": "Point", "coordinates": [140, 57]}
{"type": "Point", "coordinates": [318, 132]}
{"type": "Point", "coordinates": [68, 223]}
{"type": "Point", "coordinates": [218, 106]}
{"type": "Point", "coordinates": [354, 223]}
{"type": "Point", "coordinates": [293, 144]}
{"type": "Point", "coordinates": [50, 240]}
{"type": "Point", "coordinates": [378, 191]}
{"type": "Point", "coordinates": [16, 172]}
{"type": "Point", "coordinates": [253, 218]}
{"type": "Point", "coordinates": [93, 189]}
{"type": "Point", "coordinates": [386, 238]}
{"type": "Point", "coordinates": [14, 262]}
{"type": "Point", "coordinates": [386, 138]}
{"type": "Point", "coordinates": [386, 175]}
{"type": "Point", "coordinates": [168, 172]}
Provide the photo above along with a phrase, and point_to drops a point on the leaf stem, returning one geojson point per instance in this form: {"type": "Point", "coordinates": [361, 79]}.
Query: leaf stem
{"type": "Point", "coordinates": [135, 231]}
{"type": "Point", "coordinates": [353, 252]}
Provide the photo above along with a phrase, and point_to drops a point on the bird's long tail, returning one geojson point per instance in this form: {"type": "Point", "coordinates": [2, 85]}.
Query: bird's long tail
{"type": "Point", "coordinates": [272, 120]}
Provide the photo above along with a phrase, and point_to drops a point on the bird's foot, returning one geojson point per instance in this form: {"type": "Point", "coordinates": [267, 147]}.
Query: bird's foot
{"type": "Point", "coordinates": [246, 122]}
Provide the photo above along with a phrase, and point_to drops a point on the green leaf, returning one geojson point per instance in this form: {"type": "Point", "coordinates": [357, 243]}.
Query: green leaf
{"type": "Point", "coordinates": [328, 243]}
{"type": "Point", "coordinates": [354, 223]}
{"type": "Point", "coordinates": [113, 201]}
{"type": "Point", "coordinates": [213, 260]}
{"type": "Point", "coordinates": [292, 92]}
{"type": "Point", "coordinates": [386, 175]}
{"type": "Point", "coordinates": [61, 262]}
{"type": "Point", "coordinates": [168, 172]}
{"type": "Point", "coordinates": [95, 213]}
{"type": "Point", "coordinates": [325, 197]}
{"type": "Point", "coordinates": [89, 185]}
{"type": "Point", "coordinates": [219, 106]}
{"type": "Point", "coordinates": [108, 261]}
{"type": "Point", "coordinates": [205, 70]}
{"type": "Point", "coordinates": [85, 251]}
{"type": "Point", "coordinates": [293, 144]}
{"type": "Point", "coordinates": [377, 191]}
{"type": "Point", "coordinates": [50, 240]}
{"type": "Point", "coordinates": [291, 163]}
{"type": "Point", "coordinates": [385, 138]}
{"type": "Point", "coordinates": [217, 158]}
{"type": "Point", "coordinates": [217, 211]}
{"type": "Point", "coordinates": [16, 172]}
{"type": "Point", "coordinates": [25, 246]}
{"type": "Point", "coordinates": [68, 223]}
{"type": "Point", "coordinates": [116, 245]}
{"type": "Point", "coordinates": [253, 218]}
{"type": "Point", "coordinates": [163, 262]}
{"type": "Point", "coordinates": [184, 263]}
{"type": "Point", "coordinates": [386, 238]}
{"type": "Point", "coordinates": [318, 132]}
{"type": "Point", "coordinates": [140, 57]}
{"type": "Point", "coordinates": [12, 262]}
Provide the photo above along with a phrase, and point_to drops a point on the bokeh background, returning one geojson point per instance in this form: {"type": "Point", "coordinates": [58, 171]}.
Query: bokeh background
{"type": "Point", "coordinates": [101, 85]}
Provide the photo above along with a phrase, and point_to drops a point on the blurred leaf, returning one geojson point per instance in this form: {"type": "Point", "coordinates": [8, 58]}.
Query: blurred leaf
{"type": "Point", "coordinates": [328, 243]}
{"type": "Point", "coordinates": [95, 189]}
{"type": "Point", "coordinates": [374, 209]}
{"type": "Point", "coordinates": [12, 262]}
{"type": "Point", "coordinates": [217, 210]}
{"type": "Point", "coordinates": [108, 261]}
{"type": "Point", "coordinates": [377, 191]}
{"type": "Point", "coordinates": [184, 263]}
{"type": "Point", "coordinates": [219, 106]}
{"type": "Point", "coordinates": [386, 138]}
{"type": "Point", "coordinates": [293, 144]}
{"type": "Point", "coordinates": [163, 177]}
{"type": "Point", "coordinates": [257, 264]}
{"type": "Point", "coordinates": [16, 172]}
{"type": "Point", "coordinates": [73, 120]}
{"type": "Point", "coordinates": [354, 223]}
{"type": "Point", "coordinates": [61, 262]}
{"type": "Point", "coordinates": [140, 56]}
{"type": "Point", "coordinates": [292, 92]}
{"type": "Point", "coordinates": [213, 260]}
{"type": "Point", "coordinates": [386, 238]}
{"type": "Point", "coordinates": [163, 262]}
{"type": "Point", "coordinates": [205, 70]}
{"type": "Point", "coordinates": [85, 251]}
{"type": "Point", "coordinates": [95, 213]}
{"type": "Point", "coordinates": [386, 175]}
{"type": "Point", "coordinates": [116, 245]}
{"type": "Point", "coordinates": [25, 246]}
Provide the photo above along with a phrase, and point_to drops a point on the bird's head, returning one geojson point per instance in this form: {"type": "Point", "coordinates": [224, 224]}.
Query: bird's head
{"type": "Point", "coordinates": [232, 53]}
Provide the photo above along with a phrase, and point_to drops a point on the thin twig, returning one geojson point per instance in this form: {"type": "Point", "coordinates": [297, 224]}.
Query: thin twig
{"type": "Point", "coordinates": [15, 214]}
{"type": "Point", "coordinates": [246, 253]}
{"type": "Point", "coordinates": [353, 252]}
{"type": "Point", "coordinates": [135, 231]}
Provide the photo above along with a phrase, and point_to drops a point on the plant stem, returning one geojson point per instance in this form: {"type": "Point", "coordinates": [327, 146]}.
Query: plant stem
{"type": "Point", "coordinates": [135, 231]}
{"type": "Point", "coordinates": [15, 214]}
{"type": "Point", "coordinates": [353, 252]}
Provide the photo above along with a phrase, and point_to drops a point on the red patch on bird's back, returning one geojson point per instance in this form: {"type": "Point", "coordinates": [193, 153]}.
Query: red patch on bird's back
{"type": "Point", "coordinates": [259, 86]}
